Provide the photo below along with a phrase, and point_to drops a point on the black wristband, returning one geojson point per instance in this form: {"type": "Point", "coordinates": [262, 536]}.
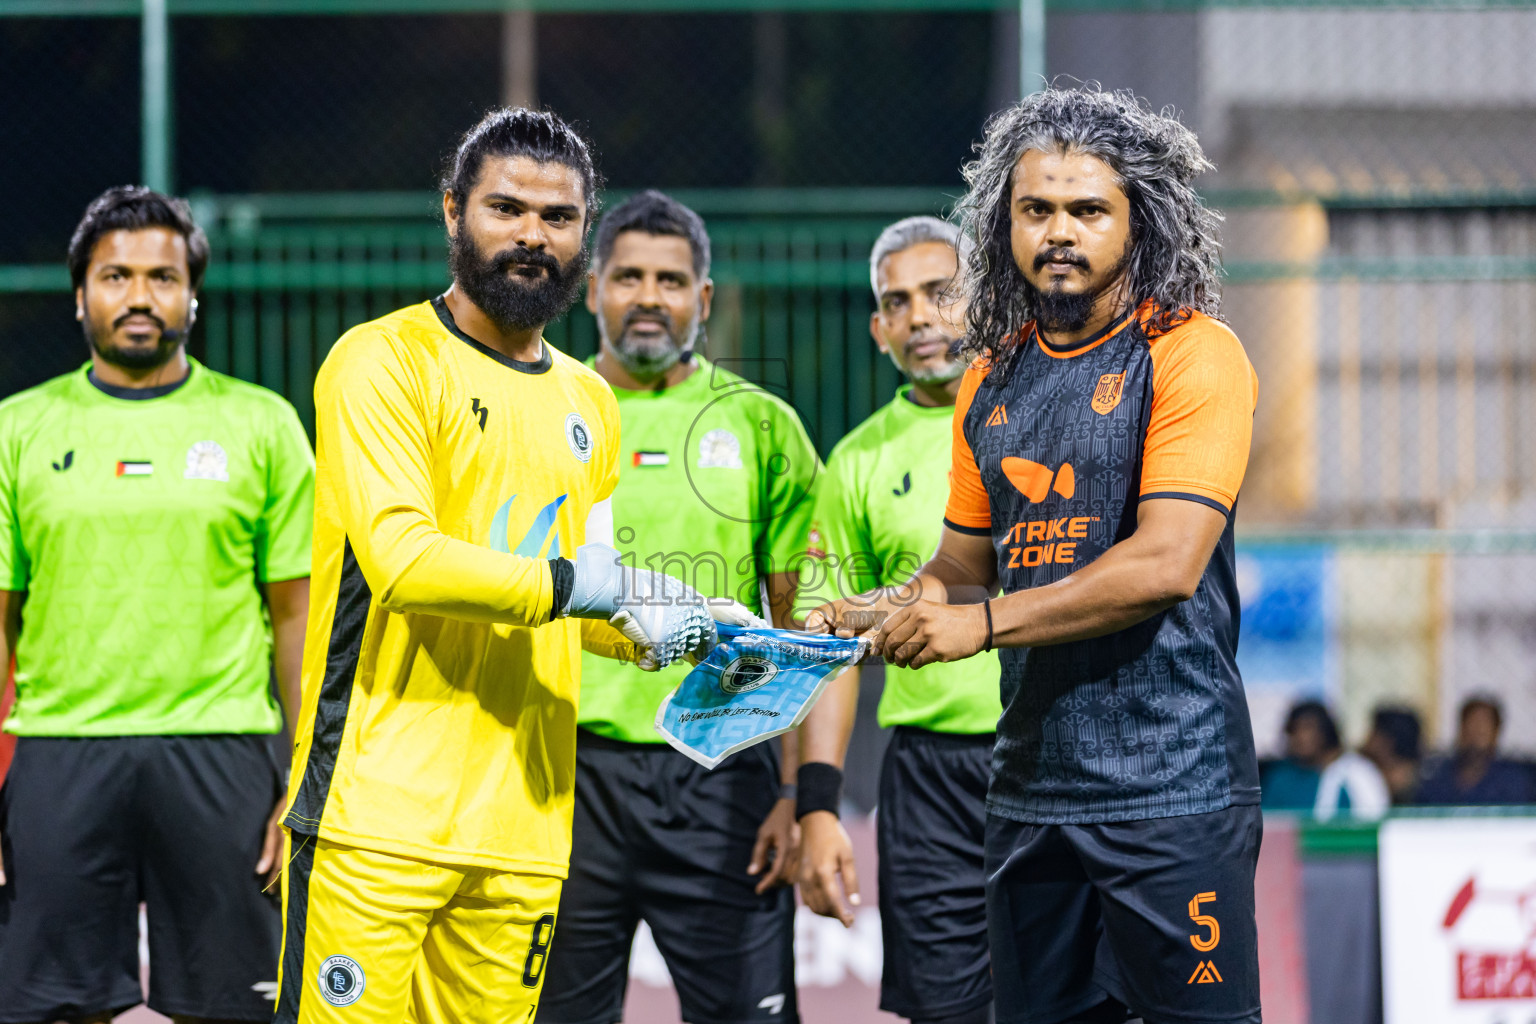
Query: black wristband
{"type": "Point", "coordinates": [562, 574]}
{"type": "Point", "coordinates": [987, 607]}
{"type": "Point", "coordinates": [820, 788]}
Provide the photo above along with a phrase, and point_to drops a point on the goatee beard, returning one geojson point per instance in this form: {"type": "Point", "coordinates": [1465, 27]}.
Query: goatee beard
{"type": "Point", "coordinates": [1067, 313]}
{"type": "Point", "coordinates": [954, 363]}
{"type": "Point", "coordinates": [513, 303]}
{"type": "Point", "coordinates": [940, 374]}
{"type": "Point", "coordinates": [1061, 312]}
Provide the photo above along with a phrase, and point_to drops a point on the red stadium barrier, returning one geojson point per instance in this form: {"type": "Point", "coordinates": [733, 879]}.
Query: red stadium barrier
{"type": "Point", "coordinates": [1278, 907]}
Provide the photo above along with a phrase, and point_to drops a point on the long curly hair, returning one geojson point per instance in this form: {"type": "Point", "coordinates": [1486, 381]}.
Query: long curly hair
{"type": "Point", "coordinates": [1175, 256]}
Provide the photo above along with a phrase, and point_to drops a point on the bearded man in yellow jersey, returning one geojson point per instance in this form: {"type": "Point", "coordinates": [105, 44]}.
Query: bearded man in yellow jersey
{"type": "Point", "coordinates": [462, 561]}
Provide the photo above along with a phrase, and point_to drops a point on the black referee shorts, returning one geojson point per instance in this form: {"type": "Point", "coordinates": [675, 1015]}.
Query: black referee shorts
{"type": "Point", "coordinates": [1158, 914]}
{"type": "Point", "coordinates": [930, 828]}
{"type": "Point", "coordinates": [94, 827]}
{"type": "Point", "coordinates": [659, 838]}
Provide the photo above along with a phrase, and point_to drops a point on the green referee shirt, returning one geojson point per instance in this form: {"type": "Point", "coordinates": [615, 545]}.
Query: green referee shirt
{"type": "Point", "coordinates": [879, 514]}
{"type": "Point", "coordinates": [140, 529]}
{"type": "Point", "coordinates": [714, 488]}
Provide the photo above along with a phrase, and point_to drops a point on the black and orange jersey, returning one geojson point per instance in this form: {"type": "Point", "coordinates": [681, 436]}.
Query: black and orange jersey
{"type": "Point", "coordinates": [1052, 462]}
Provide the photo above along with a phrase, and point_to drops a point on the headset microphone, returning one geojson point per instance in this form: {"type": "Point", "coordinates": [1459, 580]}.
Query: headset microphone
{"type": "Point", "coordinates": [177, 334]}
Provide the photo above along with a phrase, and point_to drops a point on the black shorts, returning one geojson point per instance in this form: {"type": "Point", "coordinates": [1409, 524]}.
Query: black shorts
{"type": "Point", "coordinates": [1158, 914]}
{"type": "Point", "coordinates": [659, 838]}
{"type": "Point", "coordinates": [94, 827]}
{"type": "Point", "coordinates": [931, 828]}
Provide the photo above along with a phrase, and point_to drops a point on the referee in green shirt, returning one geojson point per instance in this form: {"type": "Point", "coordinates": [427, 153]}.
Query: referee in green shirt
{"type": "Point", "coordinates": [879, 512]}
{"type": "Point", "coordinates": [713, 488]}
{"type": "Point", "coordinates": [155, 525]}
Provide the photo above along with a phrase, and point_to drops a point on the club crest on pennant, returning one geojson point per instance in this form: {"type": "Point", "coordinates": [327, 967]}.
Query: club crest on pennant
{"type": "Point", "coordinates": [1107, 395]}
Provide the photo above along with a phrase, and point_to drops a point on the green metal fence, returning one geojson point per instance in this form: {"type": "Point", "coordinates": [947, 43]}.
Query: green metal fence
{"type": "Point", "coordinates": [291, 273]}
{"type": "Point", "coordinates": [794, 296]}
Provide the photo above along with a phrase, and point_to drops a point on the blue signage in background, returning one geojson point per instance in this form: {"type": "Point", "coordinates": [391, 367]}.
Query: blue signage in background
{"type": "Point", "coordinates": [1286, 650]}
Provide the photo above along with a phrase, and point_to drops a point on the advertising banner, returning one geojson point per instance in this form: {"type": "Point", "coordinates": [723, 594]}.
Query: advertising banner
{"type": "Point", "coordinates": [1458, 916]}
{"type": "Point", "coordinates": [1286, 649]}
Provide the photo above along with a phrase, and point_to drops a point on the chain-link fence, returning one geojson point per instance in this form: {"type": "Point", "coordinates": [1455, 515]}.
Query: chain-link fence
{"type": "Point", "coordinates": [1377, 170]}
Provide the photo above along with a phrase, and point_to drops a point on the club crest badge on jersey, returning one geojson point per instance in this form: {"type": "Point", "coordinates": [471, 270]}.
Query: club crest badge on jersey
{"type": "Point", "coordinates": [341, 981]}
{"type": "Point", "coordinates": [578, 437]}
{"type": "Point", "coordinates": [1107, 395]}
{"type": "Point", "coordinates": [207, 460]}
{"type": "Point", "coordinates": [719, 449]}
{"type": "Point", "coordinates": [813, 546]}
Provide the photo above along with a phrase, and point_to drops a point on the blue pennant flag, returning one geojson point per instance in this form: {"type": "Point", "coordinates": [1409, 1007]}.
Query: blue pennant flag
{"type": "Point", "coordinates": [756, 684]}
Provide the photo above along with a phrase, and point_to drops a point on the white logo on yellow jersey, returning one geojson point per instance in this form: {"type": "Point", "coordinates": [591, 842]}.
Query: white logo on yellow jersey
{"type": "Point", "coordinates": [578, 437]}
{"type": "Point", "coordinates": [341, 981]}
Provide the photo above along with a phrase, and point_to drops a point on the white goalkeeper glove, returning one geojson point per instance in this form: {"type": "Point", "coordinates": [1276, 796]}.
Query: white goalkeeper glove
{"type": "Point", "coordinates": [732, 613]}
{"type": "Point", "coordinates": [662, 616]}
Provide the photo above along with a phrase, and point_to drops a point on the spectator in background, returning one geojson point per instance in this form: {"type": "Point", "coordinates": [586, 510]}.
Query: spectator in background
{"type": "Point", "coordinates": [1475, 774]}
{"type": "Point", "coordinates": [1317, 774]}
{"type": "Point", "coordinates": [1394, 747]}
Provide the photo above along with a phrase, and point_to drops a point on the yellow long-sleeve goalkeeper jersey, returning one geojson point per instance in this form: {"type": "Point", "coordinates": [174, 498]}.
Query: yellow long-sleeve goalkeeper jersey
{"type": "Point", "coordinates": [439, 715]}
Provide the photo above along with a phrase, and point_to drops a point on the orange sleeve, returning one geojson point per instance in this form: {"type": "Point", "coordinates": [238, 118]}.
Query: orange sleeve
{"type": "Point", "coordinates": [1203, 395]}
{"type": "Point", "coordinates": [969, 509]}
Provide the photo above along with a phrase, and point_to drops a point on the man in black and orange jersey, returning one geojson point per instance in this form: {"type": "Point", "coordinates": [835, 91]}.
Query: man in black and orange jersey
{"type": "Point", "coordinates": [1100, 439]}
{"type": "Point", "coordinates": [463, 560]}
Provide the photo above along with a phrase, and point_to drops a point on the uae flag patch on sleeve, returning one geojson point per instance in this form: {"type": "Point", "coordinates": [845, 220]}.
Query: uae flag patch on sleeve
{"type": "Point", "coordinates": [135, 467]}
{"type": "Point", "coordinates": [651, 459]}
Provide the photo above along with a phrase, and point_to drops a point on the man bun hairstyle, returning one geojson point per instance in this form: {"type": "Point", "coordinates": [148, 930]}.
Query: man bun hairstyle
{"type": "Point", "coordinates": [135, 208]}
{"type": "Point", "coordinates": [517, 131]}
{"type": "Point", "coordinates": [655, 213]}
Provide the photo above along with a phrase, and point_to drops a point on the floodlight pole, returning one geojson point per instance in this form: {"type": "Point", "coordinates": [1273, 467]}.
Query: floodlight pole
{"type": "Point", "coordinates": [1031, 46]}
{"type": "Point", "coordinates": [155, 127]}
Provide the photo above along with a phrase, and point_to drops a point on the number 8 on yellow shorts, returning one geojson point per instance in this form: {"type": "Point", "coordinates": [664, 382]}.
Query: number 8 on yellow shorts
{"type": "Point", "coordinates": [372, 937]}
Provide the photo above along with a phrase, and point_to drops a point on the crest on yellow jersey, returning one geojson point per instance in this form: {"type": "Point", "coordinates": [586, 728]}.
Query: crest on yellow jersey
{"type": "Point", "coordinates": [578, 437]}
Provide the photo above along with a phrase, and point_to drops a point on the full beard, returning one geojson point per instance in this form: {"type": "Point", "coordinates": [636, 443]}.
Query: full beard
{"type": "Point", "coordinates": [137, 357]}
{"type": "Point", "coordinates": [648, 360]}
{"type": "Point", "coordinates": [513, 303]}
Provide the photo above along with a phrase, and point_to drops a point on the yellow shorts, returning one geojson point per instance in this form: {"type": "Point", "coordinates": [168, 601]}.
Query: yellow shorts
{"type": "Point", "coordinates": [372, 938]}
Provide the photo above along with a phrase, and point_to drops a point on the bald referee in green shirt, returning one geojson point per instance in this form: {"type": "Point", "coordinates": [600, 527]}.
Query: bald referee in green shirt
{"type": "Point", "coordinates": [155, 524]}
{"type": "Point", "coordinates": [879, 511]}
{"type": "Point", "coordinates": [714, 484]}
